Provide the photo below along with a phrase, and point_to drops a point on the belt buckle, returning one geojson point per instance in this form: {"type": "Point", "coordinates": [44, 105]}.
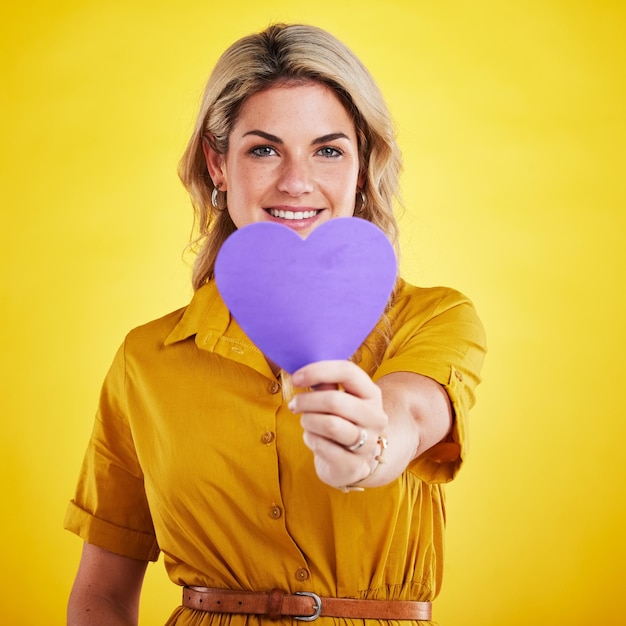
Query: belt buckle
{"type": "Point", "coordinates": [317, 607]}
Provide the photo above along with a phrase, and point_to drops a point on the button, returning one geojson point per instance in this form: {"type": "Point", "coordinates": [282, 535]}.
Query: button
{"type": "Point", "coordinates": [458, 375]}
{"type": "Point", "coordinates": [274, 387]}
{"type": "Point", "coordinates": [276, 512]}
{"type": "Point", "coordinates": [267, 437]}
{"type": "Point", "coordinates": [302, 574]}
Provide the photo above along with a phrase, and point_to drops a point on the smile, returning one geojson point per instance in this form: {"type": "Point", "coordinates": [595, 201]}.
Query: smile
{"type": "Point", "coordinates": [292, 215]}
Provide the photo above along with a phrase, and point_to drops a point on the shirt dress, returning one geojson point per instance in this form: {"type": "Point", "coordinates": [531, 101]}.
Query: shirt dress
{"type": "Point", "coordinates": [195, 455]}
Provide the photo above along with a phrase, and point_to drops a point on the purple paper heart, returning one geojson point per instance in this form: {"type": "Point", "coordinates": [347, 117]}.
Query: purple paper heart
{"type": "Point", "coordinates": [306, 300]}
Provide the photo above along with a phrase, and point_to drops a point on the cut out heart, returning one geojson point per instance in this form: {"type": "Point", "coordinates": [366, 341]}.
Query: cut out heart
{"type": "Point", "coordinates": [306, 300]}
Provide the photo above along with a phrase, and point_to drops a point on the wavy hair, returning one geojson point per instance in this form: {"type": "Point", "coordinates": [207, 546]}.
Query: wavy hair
{"type": "Point", "coordinates": [282, 54]}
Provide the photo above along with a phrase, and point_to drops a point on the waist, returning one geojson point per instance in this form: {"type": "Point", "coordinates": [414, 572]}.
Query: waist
{"type": "Point", "coordinates": [303, 605]}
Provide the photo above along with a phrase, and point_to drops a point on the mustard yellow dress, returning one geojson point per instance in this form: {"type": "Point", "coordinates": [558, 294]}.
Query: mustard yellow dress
{"type": "Point", "coordinates": [195, 454]}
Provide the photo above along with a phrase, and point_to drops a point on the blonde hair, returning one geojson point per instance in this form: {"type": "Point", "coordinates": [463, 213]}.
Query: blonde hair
{"type": "Point", "coordinates": [288, 54]}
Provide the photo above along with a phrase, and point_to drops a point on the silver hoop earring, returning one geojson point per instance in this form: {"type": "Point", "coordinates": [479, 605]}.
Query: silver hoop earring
{"type": "Point", "coordinates": [214, 198]}
{"type": "Point", "coordinates": [363, 201]}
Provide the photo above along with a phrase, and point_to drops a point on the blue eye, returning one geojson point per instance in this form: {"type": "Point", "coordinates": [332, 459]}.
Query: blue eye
{"type": "Point", "coordinates": [263, 151]}
{"type": "Point", "coordinates": [328, 151]}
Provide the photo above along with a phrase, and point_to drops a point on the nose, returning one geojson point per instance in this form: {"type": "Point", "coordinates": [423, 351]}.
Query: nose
{"type": "Point", "coordinates": [295, 177]}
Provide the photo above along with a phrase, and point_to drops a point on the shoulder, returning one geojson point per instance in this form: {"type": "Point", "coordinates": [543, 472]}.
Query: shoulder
{"type": "Point", "coordinates": [143, 347]}
{"type": "Point", "coordinates": [156, 331]}
{"type": "Point", "coordinates": [205, 314]}
{"type": "Point", "coordinates": [434, 329]}
{"type": "Point", "coordinates": [424, 305]}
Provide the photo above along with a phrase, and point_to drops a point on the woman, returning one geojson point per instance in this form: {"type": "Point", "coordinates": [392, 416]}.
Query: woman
{"type": "Point", "coordinates": [196, 453]}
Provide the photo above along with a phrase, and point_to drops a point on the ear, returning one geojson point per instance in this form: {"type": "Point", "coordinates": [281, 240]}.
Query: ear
{"type": "Point", "coordinates": [215, 163]}
{"type": "Point", "coordinates": [360, 181]}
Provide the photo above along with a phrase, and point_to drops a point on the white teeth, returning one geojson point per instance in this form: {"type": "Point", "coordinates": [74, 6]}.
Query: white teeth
{"type": "Point", "coordinates": [292, 215]}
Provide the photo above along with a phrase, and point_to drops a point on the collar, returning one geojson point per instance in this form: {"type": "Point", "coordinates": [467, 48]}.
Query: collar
{"type": "Point", "coordinates": [208, 319]}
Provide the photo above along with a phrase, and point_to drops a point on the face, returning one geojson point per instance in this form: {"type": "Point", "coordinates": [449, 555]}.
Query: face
{"type": "Point", "coordinates": [292, 159]}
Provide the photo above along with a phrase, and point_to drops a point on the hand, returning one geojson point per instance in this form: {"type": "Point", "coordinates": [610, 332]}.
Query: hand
{"type": "Point", "coordinates": [342, 419]}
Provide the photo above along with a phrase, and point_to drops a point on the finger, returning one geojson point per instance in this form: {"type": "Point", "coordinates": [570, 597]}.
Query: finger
{"type": "Point", "coordinates": [317, 407]}
{"type": "Point", "coordinates": [337, 430]}
{"type": "Point", "coordinates": [345, 373]}
{"type": "Point", "coordinates": [325, 386]}
{"type": "Point", "coordinates": [330, 402]}
{"type": "Point", "coordinates": [333, 464]}
{"type": "Point", "coordinates": [359, 442]}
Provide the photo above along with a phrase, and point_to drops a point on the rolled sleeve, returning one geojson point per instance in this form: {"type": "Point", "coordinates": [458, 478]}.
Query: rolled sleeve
{"type": "Point", "coordinates": [125, 541]}
{"type": "Point", "coordinates": [439, 336]}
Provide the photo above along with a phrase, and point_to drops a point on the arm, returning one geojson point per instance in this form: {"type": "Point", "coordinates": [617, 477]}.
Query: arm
{"type": "Point", "coordinates": [413, 411]}
{"type": "Point", "coordinates": [106, 590]}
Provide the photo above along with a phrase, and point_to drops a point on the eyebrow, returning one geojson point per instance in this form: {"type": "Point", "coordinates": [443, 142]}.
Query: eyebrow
{"type": "Point", "coordinates": [315, 142]}
{"type": "Point", "coordinates": [330, 137]}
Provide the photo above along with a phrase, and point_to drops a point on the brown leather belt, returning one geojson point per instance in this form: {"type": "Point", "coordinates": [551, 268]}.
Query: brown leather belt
{"type": "Point", "coordinates": [303, 605]}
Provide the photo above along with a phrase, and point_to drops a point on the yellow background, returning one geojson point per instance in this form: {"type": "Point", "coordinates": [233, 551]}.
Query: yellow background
{"type": "Point", "coordinates": [511, 120]}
